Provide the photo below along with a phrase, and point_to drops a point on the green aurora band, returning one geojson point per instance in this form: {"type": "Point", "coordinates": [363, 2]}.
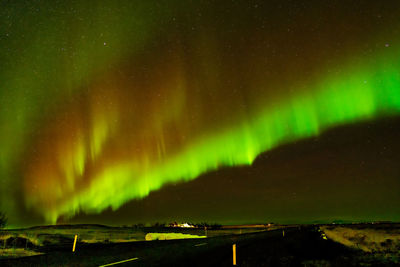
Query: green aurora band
{"type": "Point", "coordinates": [361, 93]}
{"type": "Point", "coordinates": [59, 133]}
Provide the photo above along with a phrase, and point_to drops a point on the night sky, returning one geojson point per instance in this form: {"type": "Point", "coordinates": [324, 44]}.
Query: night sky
{"type": "Point", "coordinates": [120, 112]}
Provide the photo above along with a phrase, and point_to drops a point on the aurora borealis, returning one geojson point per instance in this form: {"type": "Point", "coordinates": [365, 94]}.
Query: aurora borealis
{"type": "Point", "coordinates": [103, 102]}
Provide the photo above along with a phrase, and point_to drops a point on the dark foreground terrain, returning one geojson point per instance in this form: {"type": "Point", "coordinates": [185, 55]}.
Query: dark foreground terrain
{"type": "Point", "coordinates": [298, 246]}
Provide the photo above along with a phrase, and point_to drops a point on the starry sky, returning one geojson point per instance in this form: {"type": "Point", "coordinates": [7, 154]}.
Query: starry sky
{"type": "Point", "coordinates": [121, 112]}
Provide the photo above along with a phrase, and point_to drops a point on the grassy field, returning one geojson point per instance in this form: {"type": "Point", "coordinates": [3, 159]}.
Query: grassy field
{"type": "Point", "coordinates": [313, 245]}
{"type": "Point", "coordinates": [377, 240]}
{"type": "Point", "coordinates": [298, 247]}
{"type": "Point", "coordinates": [13, 242]}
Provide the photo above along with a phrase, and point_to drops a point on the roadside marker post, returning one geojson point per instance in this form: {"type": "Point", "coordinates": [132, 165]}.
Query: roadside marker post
{"type": "Point", "coordinates": [73, 247]}
{"type": "Point", "coordinates": [234, 253]}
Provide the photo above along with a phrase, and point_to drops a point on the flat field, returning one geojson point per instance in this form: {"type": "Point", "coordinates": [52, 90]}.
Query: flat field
{"type": "Point", "coordinates": [312, 245]}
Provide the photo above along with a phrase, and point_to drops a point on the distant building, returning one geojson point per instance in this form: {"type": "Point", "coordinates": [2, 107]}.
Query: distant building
{"type": "Point", "coordinates": [182, 225]}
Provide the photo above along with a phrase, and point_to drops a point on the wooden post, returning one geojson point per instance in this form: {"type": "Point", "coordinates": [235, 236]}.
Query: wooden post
{"type": "Point", "coordinates": [73, 247]}
{"type": "Point", "coordinates": [15, 242]}
{"type": "Point", "coordinates": [234, 254]}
